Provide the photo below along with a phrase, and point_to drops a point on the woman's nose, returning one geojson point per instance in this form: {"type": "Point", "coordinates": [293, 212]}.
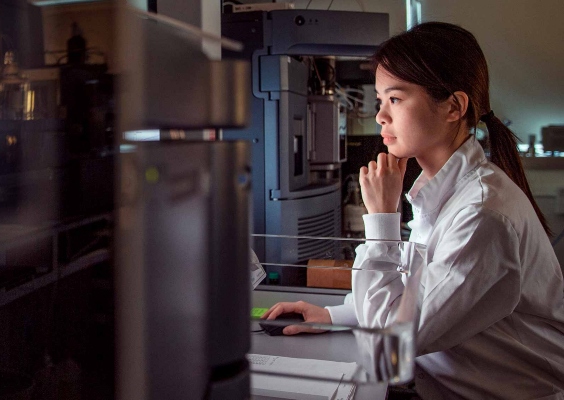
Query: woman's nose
{"type": "Point", "coordinates": [382, 116]}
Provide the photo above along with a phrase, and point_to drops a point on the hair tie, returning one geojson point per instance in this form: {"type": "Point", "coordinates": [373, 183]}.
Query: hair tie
{"type": "Point", "coordinates": [487, 117]}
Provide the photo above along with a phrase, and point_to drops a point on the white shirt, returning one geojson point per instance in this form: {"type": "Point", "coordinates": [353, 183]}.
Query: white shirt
{"type": "Point", "coordinates": [492, 293]}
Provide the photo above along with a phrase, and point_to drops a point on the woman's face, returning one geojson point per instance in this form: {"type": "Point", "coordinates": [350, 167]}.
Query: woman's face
{"type": "Point", "coordinates": [413, 124]}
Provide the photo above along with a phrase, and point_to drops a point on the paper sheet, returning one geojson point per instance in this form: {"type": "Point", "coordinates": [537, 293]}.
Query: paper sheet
{"type": "Point", "coordinates": [257, 271]}
{"type": "Point", "coordinates": [299, 388]}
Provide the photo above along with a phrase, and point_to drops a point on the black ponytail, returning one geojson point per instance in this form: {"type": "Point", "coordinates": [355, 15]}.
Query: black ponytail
{"type": "Point", "coordinates": [502, 144]}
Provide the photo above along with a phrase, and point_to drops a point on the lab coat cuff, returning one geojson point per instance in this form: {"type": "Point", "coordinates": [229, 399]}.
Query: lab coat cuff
{"type": "Point", "coordinates": [382, 226]}
{"type": "Point", "coordinates": [343, 315]}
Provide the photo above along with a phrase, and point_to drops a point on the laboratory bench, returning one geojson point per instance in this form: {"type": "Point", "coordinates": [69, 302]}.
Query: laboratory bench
{"type": "Point", "coordinates": [333, 346]}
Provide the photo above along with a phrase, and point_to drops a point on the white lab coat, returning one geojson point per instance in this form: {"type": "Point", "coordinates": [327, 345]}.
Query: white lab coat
{"type": "Point", "coordinates": [492, 293]}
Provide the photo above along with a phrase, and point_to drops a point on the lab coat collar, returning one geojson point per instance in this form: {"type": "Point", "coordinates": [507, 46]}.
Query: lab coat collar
{"type": "Point", "coordinates": [427, 195]}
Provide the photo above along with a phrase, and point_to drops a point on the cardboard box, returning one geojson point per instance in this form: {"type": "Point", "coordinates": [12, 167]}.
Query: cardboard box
{"type": "Point", "coordinates": [320, 273]}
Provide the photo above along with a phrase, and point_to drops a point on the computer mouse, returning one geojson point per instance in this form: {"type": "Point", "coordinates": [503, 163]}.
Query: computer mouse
{"type": "Point", "coordinates": [283, 320]}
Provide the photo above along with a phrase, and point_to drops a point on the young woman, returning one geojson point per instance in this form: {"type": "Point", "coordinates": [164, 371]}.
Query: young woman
{"type": "Point", "coordinates": [492, 292]}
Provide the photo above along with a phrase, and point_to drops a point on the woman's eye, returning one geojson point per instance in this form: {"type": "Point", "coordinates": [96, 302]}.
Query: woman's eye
{"type": "Point", "coordinates": [378, 104]}
{"type": "Point", "coordinates": [394, 100]}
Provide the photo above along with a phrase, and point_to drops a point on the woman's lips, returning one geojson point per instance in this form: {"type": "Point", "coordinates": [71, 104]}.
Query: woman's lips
{"type": "Point", "coordinates": [388, 139]}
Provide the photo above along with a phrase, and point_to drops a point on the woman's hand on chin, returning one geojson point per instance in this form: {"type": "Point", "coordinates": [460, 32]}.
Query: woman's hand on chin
{"type": "Point", "coordinates": [381, 183]}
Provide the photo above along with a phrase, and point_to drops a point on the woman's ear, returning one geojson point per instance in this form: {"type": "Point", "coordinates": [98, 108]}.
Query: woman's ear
{"type": "Point", "coordinates": [458, 105]}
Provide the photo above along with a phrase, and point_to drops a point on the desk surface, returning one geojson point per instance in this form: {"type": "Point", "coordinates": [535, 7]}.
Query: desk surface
{"type": "Point", "coordinates": [333, 346]}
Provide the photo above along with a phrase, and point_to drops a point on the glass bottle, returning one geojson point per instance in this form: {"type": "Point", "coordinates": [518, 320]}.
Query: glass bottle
{"type": "Point", "coordinates": [14, 90]}
{"type": "Point", "coordinates": [353, 209]}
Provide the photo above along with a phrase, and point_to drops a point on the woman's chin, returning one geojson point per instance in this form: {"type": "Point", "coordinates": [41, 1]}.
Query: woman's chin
{"type": "Point", "coordinates": [396, 152]}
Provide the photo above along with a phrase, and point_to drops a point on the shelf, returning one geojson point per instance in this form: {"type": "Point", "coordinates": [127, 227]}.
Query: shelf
{"type": "Point", "coordinates": [14, 235]}
{"type": "Point", "coordinates": [542, 162]}
{"type": "Point", "coordinates": [96, 257]}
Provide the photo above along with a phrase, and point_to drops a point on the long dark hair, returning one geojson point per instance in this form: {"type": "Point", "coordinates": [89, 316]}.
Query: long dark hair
{"type": "Point", "coordinates": [445, 58]}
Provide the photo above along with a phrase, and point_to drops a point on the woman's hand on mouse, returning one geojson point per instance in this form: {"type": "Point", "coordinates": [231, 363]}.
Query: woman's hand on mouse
{"type": "Point", "coordinates": [381, 183]}
{"type": "Point", "coordinates": [310, 312]}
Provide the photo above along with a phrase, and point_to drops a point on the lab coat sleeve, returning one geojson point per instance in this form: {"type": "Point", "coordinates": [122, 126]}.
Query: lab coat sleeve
{"type": "Point", "coordinates": [376, 283]}
{"type": "Point", "coordinates": [343, 314]}
{"type": "Point", "coordinates": [472, 281]}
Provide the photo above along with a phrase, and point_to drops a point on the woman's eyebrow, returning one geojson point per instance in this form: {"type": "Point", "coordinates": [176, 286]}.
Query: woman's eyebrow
{"type": "Point", "coordinates": [391, 88]}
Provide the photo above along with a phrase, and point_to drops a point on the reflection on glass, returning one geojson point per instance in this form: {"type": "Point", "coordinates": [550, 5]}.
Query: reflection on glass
{"type": "Point", "coordinates": [56, 201]}
{"type": "Point", "coordinates": [284, 257]}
